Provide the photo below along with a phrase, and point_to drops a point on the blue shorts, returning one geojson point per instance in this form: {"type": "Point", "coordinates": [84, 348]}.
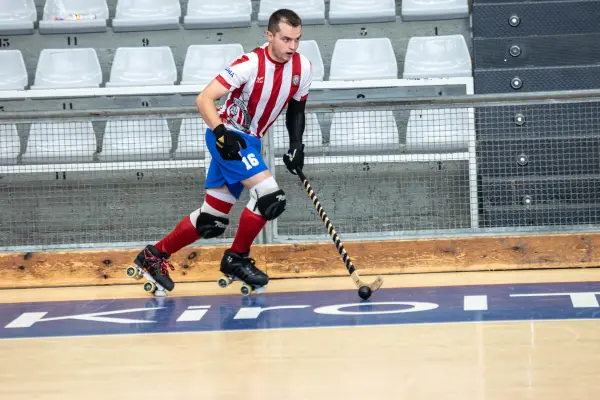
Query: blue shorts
{"type": "Point", "coordinates": [232, 172]}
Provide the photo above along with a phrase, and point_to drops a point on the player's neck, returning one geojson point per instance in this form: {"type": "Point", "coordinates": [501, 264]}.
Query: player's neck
{"type": "Point", "coordinates": [271, 57]}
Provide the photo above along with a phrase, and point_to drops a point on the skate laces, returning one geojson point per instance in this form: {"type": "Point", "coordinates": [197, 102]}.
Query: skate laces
{"type": "Point", "coordinates": [251, 265]}
{"type": "Point", "coordinates": [164, 264]}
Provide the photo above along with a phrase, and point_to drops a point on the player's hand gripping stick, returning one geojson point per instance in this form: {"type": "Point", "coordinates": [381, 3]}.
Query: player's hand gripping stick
{"type": "Point", "coordinates": [364, 290]}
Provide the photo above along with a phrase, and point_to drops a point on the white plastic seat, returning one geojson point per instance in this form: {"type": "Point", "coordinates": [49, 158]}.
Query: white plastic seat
{"type": "Point", "coordinates": [362, 59]}
{"type": "Point", "coordinates": [146, 15]}
{"type": "Point", "coordinates": [60, 142]}
{"type": "Point", "coordinates": [192, 143]}
{"type": "Point", "coordinates": [74, 16]}
{"type": "Point", "coordinates": [312, 12]}
{"type": "Point", "coordinates": [136, 140]}
{"type": "Point", "coordinates": [204, 62]}
{"type": "Point", "coordinates": [202, 14]}
{"type": "Point", "coordinates": [13, 74]}
{"type": "Point", "coordinates": [361, 11]}
{"type": "Point", "coordinates": [439, 130]}
{"type": "Point", "coordinates": [68, 68]}
{"type": "Point", "coordinates": [363, 130]}
{"type": "Point", "coordinates": [437, 57]}
{"type": "Point", "coordinates": [142, 66]}
{"type": "Point", "coordinates": [10, 145]}
{"type": "Point", "coordinates": [17, 17]}
{"type": "Point", "coordinates": [430, 10]}
{"type": "Point", "coordinates": [310, 49]}
{"type": "Point", "coordinates": [312, 137]}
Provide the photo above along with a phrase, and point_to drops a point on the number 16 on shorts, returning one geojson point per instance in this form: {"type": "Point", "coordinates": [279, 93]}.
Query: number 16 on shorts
{"type": "Point", "coordinates": [250, 161]}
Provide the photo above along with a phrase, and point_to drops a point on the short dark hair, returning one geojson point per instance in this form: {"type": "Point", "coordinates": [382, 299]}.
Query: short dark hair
{"type": "Point", "coordinates": [283, 15]}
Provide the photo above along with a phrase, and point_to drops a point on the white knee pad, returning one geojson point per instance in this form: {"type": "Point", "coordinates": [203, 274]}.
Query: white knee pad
{"type": "Point", "coordinates": [267, 199]}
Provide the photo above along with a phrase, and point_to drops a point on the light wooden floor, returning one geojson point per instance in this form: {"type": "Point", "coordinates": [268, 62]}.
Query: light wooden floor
{"type": "Point", "coordinates": [517, 360]}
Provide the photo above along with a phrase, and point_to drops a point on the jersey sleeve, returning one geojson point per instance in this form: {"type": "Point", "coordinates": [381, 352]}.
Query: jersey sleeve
{"type": "Point", "coordinates": [302, 93]}
{"type": "Point", "coordinates": [237, 73]}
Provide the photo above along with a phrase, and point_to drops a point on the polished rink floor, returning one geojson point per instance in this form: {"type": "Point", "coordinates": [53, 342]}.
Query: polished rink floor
{"type": "Point", "coordinates": [493, 335]}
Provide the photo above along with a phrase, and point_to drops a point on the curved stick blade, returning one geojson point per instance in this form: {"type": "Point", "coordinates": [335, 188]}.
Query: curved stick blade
{"type": "Point", "coordinates": [376, 284]}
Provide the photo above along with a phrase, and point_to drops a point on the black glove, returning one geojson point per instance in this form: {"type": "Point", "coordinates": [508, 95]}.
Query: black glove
{"type": "Point", "coordinates": [229, 143]}
{"type": "Point", "coordinates": [294, 157]}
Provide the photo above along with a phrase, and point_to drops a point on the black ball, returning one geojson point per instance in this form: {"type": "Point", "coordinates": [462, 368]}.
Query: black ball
{"type": "Point", "coordinates": [364, 292]}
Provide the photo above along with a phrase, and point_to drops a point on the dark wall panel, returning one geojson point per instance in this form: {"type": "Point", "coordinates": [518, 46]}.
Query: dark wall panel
{"type": "Point", "coordinates": [537, 18]}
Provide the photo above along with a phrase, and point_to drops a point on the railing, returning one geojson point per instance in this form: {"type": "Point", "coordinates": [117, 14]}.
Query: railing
{"type": "Point", "coordinates": [383, 169]}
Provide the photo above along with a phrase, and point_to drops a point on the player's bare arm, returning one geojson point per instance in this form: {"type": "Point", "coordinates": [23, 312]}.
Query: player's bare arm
{"type": "Point", "coordinates": [206, 103]}
{"type": "Point", "coordinates": [229, 143]}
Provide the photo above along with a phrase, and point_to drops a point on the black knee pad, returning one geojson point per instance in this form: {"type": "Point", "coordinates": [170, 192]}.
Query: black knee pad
{"type": "Point", "coordinates": [272, 205]}
{"type": "Point", "coordinates": [209, 226]}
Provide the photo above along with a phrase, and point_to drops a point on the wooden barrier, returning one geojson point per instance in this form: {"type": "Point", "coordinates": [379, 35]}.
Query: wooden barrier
{"type": "Point", "coordinates": [201, 263]}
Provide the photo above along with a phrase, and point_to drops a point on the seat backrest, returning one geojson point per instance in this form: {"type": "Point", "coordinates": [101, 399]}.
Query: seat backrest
{"type": "Point", "coordinates": [10, 145]}
{"type": "Point", "coordinates": [143, 66]}
{"type": "Point", "coordinates": [68, 68]}
{"type": "Point", "coordinates": [437, 57]}
{"type": "Point", "coordinates": [365, 11]}
{"type": "Point", "coordinates": [65, 8]}
{"type": "Point", "coordinates": [310, 49]}
{"type": "Point", "coordinates": [13, 74]}
{"type": "Point", "coordinates": [17, 10]}
{"type": "Point", "coordinates": [204, 62]}
{"type": "Point", "coordinates": [137, 9]}
{"type": "Point", "coordinates": [310, 11]}
{"type": "Point", "coordinates": [355, 59]}
{"type": "Point", "coordinates": [218, 13]}
{"type": "Point", "coordinates": [17, 17]}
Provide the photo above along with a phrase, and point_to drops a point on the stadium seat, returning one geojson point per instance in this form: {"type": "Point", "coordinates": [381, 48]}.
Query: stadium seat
{"type": "Point", "coordinates": [60, 142]}
{"type": "Point", "coordinates": [9, 144]}
{"type": "Point", "coordinates": [437, 57]}
{"type": "Point", "coordinates": [191, 142]}
{"type": "Point", "coordinates": [136, 140]}
{"type": "Point", "coordinates": [312, 12]}
{"type": "Point", "coordinates": [361, 11]}
{"type": "Point", "coordinates": [312, 137]}
{"type": "Point", "coordinates": [17, 17]}
{"type": "Point", "coordinates": [146, 15]}
{"type": "Point", "coordinates": [13, 74]}
{"type": "Point", "coordinates": [204, 62]}
{"type": "Point", "coordinates": [142, 66]}
{"type": "Point", "coordinates": [356, 131]}
{"type": "Point", "coordinates": [439, 130]}
{"type": "Point", "coordinates": [361, 59]}
{"type": "Point", "coordinates": [74, 16]}
{"type": "Point", "coordinates": [310, 49]}
{"type": "Point", "coordinates": [68, 68]}
{"type": "Point", "coordinates": [431, 10]}
{"type": "Point", "coordinates": [202, 14]}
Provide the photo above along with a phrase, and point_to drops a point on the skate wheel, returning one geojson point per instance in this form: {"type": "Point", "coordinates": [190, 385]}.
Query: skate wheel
{"type": "Point", "coordinates": [131, 272]}
{"type": "Point", "coordinates": [149, 287]}
{"type": "Point", "coordinates": [246, 290]}
{"type": "Point", "coordinates": [224, 282]}
{"type": "Point", "coordinates": [160, 293]}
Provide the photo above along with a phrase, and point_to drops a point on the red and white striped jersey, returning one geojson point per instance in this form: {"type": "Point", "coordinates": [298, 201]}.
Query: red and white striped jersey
{"type": "Point", "coordinates": [260, 88]}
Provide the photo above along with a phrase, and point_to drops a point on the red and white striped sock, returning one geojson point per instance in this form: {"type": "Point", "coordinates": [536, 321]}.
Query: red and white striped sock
{"type": "Point", "coordinates": [216, 203]}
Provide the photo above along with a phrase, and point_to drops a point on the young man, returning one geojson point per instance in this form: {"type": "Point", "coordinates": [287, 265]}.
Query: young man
{"type": "Point", "coordinates": [259, 85]}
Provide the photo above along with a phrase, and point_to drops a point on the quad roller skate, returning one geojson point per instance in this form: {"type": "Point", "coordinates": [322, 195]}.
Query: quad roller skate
{"type": "Point", "coordinates": [153, 266]}
{"type": "Point", "coordinates": [240, 267]}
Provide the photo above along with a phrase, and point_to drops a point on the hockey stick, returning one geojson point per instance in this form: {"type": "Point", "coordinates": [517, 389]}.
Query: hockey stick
{"type": "Point", "coordinates": [376, 284]}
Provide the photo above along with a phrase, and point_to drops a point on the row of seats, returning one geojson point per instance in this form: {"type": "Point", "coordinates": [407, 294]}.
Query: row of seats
{"type": "Point", "coordinates": [143, 140]}
{"type": "Point", "coordinates": [70, 16]}
{"type": "Point", "coordinates": [353, 59]}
